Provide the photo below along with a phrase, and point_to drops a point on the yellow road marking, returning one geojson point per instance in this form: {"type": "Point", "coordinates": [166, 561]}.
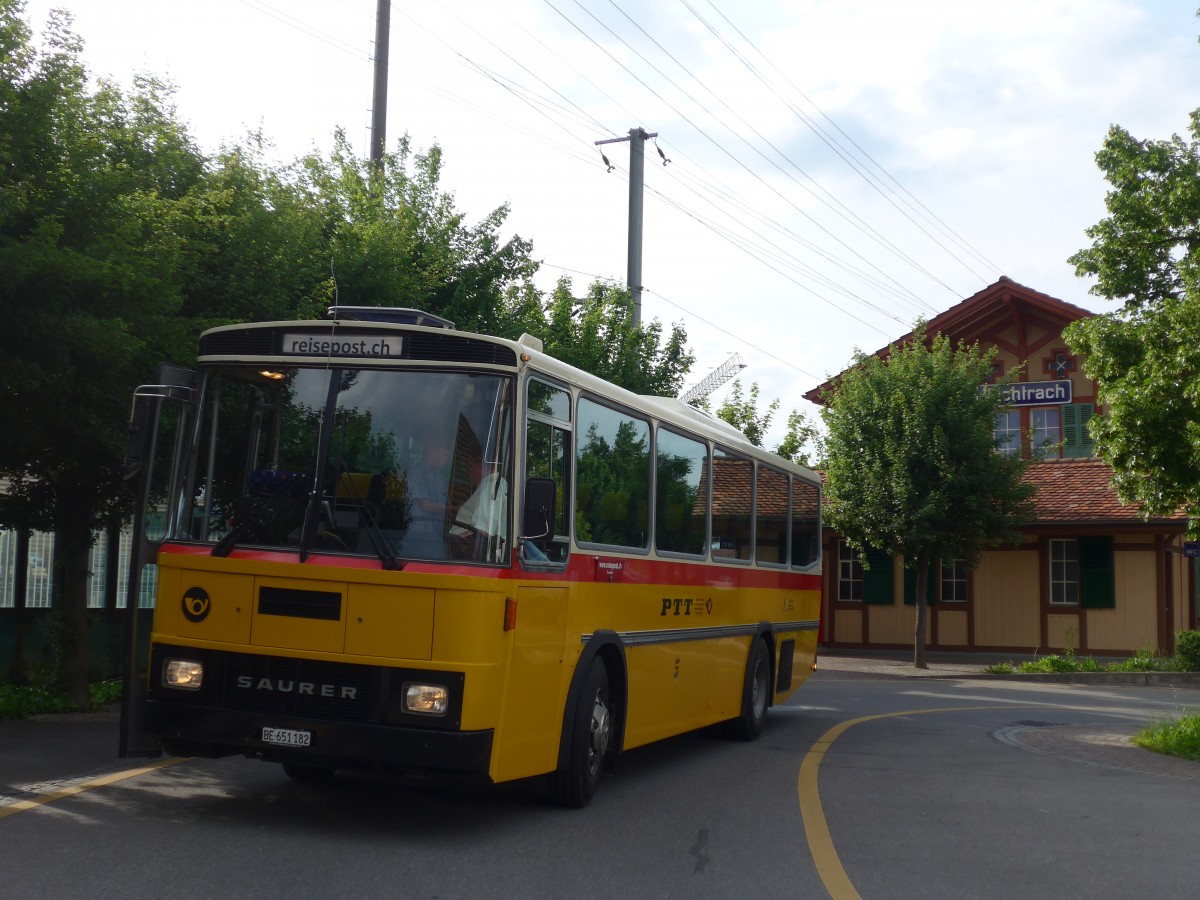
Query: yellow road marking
{"type": "Point", "coordinates": [112, 778]}
{"type": "Point", "coordinates": [820, 842]}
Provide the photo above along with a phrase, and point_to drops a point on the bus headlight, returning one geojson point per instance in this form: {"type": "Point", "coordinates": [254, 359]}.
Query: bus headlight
{"type": "Point", "coordinates": [183, 674]}
{"type": "Point", "coordinates": [426, 699]}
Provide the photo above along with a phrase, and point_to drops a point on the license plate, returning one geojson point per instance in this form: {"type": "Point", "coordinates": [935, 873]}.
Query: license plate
{"type": "Point", "coordinates": [287, 737]}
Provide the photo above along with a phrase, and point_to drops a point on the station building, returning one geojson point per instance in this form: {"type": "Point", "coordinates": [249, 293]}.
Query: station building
{"type": "Point", "coordinates": [1089, 573]}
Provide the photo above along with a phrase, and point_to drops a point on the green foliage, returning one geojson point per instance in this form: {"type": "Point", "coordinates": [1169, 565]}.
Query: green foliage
{"type": "Point", "coordinates": [1066, 661]}
{"type": "Point", "coordinates": [596, 334]}
{"type": "Point", "coordinates": [106, 692]}
{"type": "Point", "coordinates": [20, 702]}
{"type": "Point", "coordinates": [1187, 650]}
{"type": "Point", "coordinates": [1178, 737]}
{"type": "Point", "coordinates": [910, 455]}
{"type": "Point", "coordinates": [1144, 357]}
{"type": "Point", "coordinates": [910, 459]}
{"type": "Point", "coordinates": [393, 237]}
{"type": "Point", "coordinates": [742, 413]}
{"type": "Point", "coordinates": [1000, 668]}
{"type": "Point", "coordinates": [1147, 659]}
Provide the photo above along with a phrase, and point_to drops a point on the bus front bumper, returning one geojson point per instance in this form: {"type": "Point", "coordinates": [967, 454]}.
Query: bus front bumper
{"type": "Point", "coordinates": [190, 730]}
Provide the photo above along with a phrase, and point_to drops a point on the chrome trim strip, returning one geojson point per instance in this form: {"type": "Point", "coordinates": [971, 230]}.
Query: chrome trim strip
{"type": "Point", "coordinates": [681, 635]}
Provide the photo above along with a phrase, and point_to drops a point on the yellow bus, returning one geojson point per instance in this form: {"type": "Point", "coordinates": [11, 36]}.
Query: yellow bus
{"type": "Point", "coordinates": [346, 580]}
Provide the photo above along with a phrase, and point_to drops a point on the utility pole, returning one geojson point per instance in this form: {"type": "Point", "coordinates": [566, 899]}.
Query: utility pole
{"type": "Point", "coordinates": [637, 167]}
{"type": "Point", "coordinates": [383, 23]}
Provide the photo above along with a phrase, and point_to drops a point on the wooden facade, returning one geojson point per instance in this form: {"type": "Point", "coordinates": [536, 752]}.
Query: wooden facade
{"type": "Point", "coordinates": [1090, 573]}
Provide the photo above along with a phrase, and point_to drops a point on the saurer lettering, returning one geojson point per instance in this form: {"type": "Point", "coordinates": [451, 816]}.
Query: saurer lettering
{"type": "Point", "coordinates": [288, 686]}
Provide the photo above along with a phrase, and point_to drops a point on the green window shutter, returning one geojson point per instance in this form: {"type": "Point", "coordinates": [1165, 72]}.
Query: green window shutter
{"type": "Point", "coordinates": [910, 587]}
{"type": "Point", "coordinates": [1077, 440]}
{"type": "Point", "coordinates": [877, 581]}
{"type": "Point", "coordinates": [1097, 583]}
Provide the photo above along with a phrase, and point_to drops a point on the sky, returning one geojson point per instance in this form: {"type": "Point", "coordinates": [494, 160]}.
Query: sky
{"type": "Point", "coordinates": [834, 169]}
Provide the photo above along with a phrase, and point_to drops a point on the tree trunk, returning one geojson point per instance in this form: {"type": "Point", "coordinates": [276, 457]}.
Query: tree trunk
{"type": "Point", "coordinates": [72, 546]}
{"type": "Point", "coordinates": [922, 588]}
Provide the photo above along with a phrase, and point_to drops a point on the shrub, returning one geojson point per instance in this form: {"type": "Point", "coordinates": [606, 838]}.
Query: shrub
{"type": "Point", "coordinates": [1187, 650]}
{"type": "Point", "coordinates": [20, 702]}
{"type": "Point", "coordinates": [1145, 660]}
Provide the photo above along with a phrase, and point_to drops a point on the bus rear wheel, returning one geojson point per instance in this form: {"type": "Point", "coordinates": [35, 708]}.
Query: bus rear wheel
{"type": "Point", "coordinates": [756, 691]}
{"type": "Point", "coordinates": [591, 735]}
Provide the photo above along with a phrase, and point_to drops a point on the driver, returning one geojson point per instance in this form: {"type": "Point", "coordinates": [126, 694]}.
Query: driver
{"type": "Point", "coordinates": [483, 518]}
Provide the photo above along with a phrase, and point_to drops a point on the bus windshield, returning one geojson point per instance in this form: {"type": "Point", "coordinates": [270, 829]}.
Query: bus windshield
{"type": "Point", "coordinates": [396, 464]}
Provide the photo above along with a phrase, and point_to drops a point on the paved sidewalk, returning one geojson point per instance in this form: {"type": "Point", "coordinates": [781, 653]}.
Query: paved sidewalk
{"type": "Point", "coordinates": [47, 748]}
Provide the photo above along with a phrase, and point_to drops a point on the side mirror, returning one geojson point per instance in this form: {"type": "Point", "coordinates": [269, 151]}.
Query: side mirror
{"type": "Point", "coordinates": [537, 518]}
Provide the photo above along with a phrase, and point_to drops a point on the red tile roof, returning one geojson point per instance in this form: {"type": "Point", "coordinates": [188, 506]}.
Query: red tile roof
{"type": "Point", "coordinates": [1078, 491]}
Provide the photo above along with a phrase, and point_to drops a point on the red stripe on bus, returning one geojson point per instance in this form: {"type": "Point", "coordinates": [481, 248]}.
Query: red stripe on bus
{"type": "Point", "coordinates": [580, 568]}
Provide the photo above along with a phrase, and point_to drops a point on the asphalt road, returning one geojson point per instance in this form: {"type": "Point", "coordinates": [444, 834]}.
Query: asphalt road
{"type": "Point", "coordinates": [863, 785]}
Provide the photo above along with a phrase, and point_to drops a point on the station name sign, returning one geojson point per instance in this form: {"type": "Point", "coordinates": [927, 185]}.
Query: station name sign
{"type": "Point", "coordinates": [1036, 393]}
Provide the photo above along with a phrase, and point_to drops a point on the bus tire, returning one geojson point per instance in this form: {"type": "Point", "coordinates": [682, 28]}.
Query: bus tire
{"type": "Point", "coordinates": [308, 774]}
{"type": "Point", "coordinates": [756, 692]}
{"type": "Point", "coordinates": [590, 737]}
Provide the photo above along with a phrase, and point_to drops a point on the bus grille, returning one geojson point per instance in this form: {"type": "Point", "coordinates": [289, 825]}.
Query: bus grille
{"type": "Point", "coordinates": [299, 687]}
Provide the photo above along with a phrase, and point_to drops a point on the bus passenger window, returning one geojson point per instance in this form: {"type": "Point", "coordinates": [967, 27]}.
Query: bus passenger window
{"type": "Point", "coordinates": [733, 478]}
{"type": "Point", "coordinates": [771, 517]}
{"type": "Point", "coordinates": [613, 474]}
{"type": "Point", "coordinates": [681, 501]}
{"type": "Point", "coordinates": [806, 523]}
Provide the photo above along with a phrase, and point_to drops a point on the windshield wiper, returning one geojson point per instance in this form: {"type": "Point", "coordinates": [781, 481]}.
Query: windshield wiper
{"type": "Point", "coordinates": [263, 509]}
{"type": "Point", "coordinates": [379, 542]}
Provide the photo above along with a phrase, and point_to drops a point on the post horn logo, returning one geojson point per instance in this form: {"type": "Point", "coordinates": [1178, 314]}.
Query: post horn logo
{"type": "Point", "coordinates": [196, 604]}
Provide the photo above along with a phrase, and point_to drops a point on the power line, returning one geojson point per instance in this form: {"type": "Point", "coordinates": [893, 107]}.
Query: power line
{"type": "Point", "coordinates": [835, 146]}
{"type": "Point", "coordinates": [711, 139]}
{"type": "Point", "coordinates": [844, 212]}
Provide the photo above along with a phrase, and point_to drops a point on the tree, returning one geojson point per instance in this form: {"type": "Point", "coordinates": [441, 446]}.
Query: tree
{"type": "Point", "coordinates": [911, 462]}
{"type": "Point", "coordinates": [1145, 357]}
{"type": "Point", "coordinates": [388, 235]}
{"type": "Point", "coordinates": [90, 182]}
{"type": "Point", "coordinates": [596, 334]}
{"type": "Point", "coordinates": [742, 413]}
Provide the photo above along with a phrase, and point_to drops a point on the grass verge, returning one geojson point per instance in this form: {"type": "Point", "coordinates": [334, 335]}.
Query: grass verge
{"type": "Point", "coordinates": [1179, 737]}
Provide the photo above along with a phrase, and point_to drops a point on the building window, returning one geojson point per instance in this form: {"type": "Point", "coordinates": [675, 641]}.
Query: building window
{"type": "Point", "coordinates": [1064, 572]}
{"type": "Point", "coordinates": [1007, 432]}
{"type": "Point", "coordinates": [1045, 422]}
{"type": "Point", "coordinates": [850, 573]}
{"type": "Point", "coordinates": [954, 581]}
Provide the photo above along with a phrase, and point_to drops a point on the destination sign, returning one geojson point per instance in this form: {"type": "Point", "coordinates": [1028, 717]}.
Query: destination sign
{"type": "Point", "coordinates": [377, 346]}
{"type": "Point", "coordinates": [1036, 393]}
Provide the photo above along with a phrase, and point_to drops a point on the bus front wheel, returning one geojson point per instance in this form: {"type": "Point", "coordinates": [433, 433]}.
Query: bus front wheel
{"type": "Point", "coordinates": [591, 735]}
{"type": "Point", "coordinates": [756, 691]}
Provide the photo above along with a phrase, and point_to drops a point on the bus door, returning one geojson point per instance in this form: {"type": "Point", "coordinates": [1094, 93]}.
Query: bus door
{"type": "Point", "coordinates": [158, 427]}
{"type": "Point", "coordinates": [539, 672]}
